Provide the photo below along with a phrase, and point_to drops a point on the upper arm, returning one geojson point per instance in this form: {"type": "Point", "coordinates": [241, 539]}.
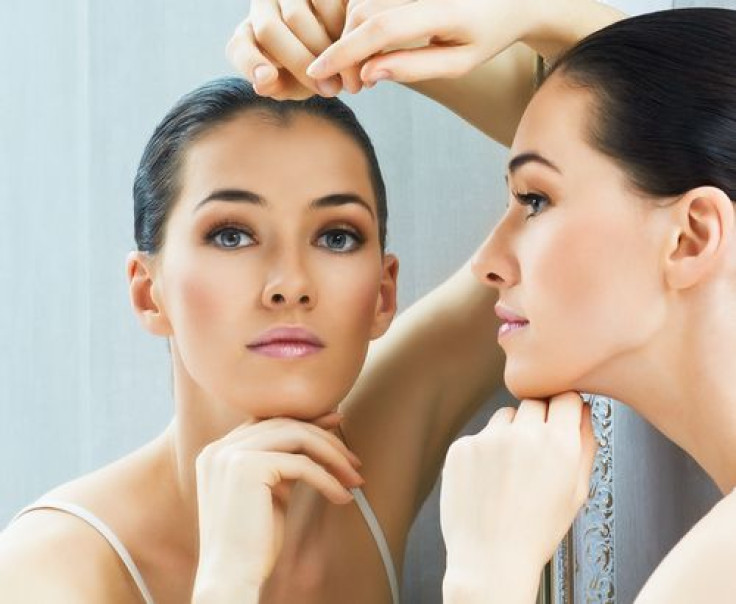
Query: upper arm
{"type": "Point", "coordinates": [492, 97]}
{"type": "Point", "coordinates": [421, 383]}
{"type": "Point", "coordinates": [701, 566]}
{"type": "Point", "coordinates": [50, 557]}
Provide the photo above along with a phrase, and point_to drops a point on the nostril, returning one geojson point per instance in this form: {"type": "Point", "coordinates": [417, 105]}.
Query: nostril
{"type": "Point", "coordinates": [494, 278]}
{"type": "Point", "coordinates": [304, 300]}
{"type": "Point", "coordinates": [277, 298]}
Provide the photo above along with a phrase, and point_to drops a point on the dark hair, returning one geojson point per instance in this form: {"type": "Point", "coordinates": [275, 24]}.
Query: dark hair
{"type": "Point", "coordinates": [157, 183]}
{"type": "Point", "coordinates": [664, 86]}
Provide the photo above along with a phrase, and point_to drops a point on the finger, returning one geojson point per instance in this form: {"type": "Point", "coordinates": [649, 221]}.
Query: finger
{"type": "Point", "coordinates": [332, 15]}
{"type": "Point", "coordinates": [531, 411]}
{"type": "Point", "coordinates": [279, 467]}
{"type": "Point", "coordinates": [300, 19]}
{"type": "Point", "coordinates": [329, 420]}
{"type": "Point", "coordinates": [272, 35]}
{"type": "Point", "coordinates": [589, 449]}
{"type": "Point", "coordinates": [243, 435]}
{"type": "Point", "coordinates": [245, 56]}
{"type": "Point", "coordinates": [388, 29]}
{"type": "Point", "coordinates": [565, 411]}
{"type": "Point", "coordinates": [322, 447]}
{"type": "Point", "coordinates": [503, 416]}
{"type": "Point", "coordinates": [418, 64]}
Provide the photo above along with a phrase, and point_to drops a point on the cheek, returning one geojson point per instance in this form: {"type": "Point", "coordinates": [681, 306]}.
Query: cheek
{"type": "Point", "coordinates": [350, 293]}
{"type": "Point", "coordinates": [584, 288]}
{"type": "Point", "coordinates": [200, 291]}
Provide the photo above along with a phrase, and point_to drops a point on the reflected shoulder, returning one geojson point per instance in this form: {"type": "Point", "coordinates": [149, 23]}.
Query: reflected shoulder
{"type": "Point", "coordinates": [50, 556]}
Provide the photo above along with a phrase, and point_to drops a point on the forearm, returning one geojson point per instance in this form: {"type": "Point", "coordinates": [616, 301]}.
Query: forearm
{"type": "Point", "coordinates": [493, 585]}
{"type": "Point", "coordinates": [492, 97]}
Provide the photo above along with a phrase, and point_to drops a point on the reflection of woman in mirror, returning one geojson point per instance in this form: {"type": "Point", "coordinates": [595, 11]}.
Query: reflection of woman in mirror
{"type": "Point", "coordinates": [616, 269]}
{"type": "Point", "coordinates": [260, 229]}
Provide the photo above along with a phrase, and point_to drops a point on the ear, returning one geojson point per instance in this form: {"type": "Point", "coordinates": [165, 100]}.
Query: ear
{"type": "Point", "coordinates": [386, 304]}
{"type": "Point", "coordinates": [704, 219]}
{"type": "Point", "coordinates": [144, 296]}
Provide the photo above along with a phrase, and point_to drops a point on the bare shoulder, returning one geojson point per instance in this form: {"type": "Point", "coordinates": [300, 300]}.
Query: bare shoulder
{"type": "Point", "coordinates": [50, 556]}
{"type": "Point", "coordinates": [701, 566]}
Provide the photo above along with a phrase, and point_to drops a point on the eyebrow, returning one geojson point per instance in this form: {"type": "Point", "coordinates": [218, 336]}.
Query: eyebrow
{"type": "Point", "coordinates": [245, 196]}
{"type": "Point", "coordinates": [525, 158]}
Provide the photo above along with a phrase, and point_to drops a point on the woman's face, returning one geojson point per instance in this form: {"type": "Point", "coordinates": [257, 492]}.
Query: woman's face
{"type": "Point", "coordinates": [576, 257]}
{"type": "Point", "coordinates": [271, 276]}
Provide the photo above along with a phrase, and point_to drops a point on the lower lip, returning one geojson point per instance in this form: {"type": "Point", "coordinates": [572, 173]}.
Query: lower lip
{"type": "Point", "coordinates": [508, 328]}
{"type": "Point", "coordinates": [286, 350]}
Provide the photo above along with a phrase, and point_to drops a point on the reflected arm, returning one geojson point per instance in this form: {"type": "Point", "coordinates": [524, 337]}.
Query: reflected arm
{"type": "Point", "coordinates": [492, 97]}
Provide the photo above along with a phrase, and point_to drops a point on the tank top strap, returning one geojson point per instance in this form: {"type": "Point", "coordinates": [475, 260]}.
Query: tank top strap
{"type": "Point", "coordinates": [102, 528]}
{"type": "Point", "coordinates": [380, 539]}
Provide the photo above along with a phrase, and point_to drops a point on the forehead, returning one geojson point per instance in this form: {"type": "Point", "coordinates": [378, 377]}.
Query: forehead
{"type": "Point", "coordinates": [303, 157]}
{"type": "Point", "coordinates": [556, 122]}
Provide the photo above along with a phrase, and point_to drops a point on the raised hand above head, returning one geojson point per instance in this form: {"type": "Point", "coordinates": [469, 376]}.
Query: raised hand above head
{"type": "Point", "coordinates": [279, 39]}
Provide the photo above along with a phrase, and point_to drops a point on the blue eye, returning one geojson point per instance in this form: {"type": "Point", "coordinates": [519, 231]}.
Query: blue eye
{"type": "Point", "coordinates": [339, 240]}
{"type": "Point", "coordinates": [534, 201]}
{"type": "Point", "coordinates": [231, 238]}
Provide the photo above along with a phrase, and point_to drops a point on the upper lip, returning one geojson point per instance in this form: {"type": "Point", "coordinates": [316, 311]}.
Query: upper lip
{"type": "Point", "coordinates": [508, 316]}
{"type": "Point", "coordinates": [287, 333]}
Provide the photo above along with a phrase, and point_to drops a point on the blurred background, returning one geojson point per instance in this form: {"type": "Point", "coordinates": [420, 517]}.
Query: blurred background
{"type": "Point", "coordinates": [84, 82]}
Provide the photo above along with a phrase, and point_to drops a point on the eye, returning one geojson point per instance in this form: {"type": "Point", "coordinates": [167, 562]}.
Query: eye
{"type": "Point", "coordinates": [340, 240]}
{"type": "Point", "coordinates": [534, 201]}
{"type": "Point", "coordinates": [230, 238]}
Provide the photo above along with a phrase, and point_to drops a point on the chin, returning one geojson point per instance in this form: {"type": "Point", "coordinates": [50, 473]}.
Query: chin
{"type": "Point", "coordinates": [534, 384]}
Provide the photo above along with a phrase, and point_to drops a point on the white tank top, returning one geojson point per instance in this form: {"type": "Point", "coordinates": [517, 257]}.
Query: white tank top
{"type": "Point", "coordinates": [127, 559]}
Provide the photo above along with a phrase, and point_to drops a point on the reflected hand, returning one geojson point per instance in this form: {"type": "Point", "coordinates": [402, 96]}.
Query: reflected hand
{"type": "Point", "coordinates": [412, 40]}
{"type": "Point", "coordinates": [243, 487]}
{"type": "Point", "coordinates": [510, 493]}
{"type": "Point", "coordinates": [274, 45]}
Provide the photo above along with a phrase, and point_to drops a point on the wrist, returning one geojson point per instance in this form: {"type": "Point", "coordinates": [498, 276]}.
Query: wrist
{"type": "Point", "coordinates": [561, 25]}
{"type": "Point", "coordinates": [210, 593]}
{"type": "Point", "coordinates": [494, 582]}
{"type": "Point", "coordinates": [225, 587]}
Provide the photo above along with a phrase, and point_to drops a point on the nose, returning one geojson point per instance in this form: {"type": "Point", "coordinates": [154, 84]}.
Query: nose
{"type": "Point", "coordinates": [288, 285]}
{"type": "Point", "coordinates": [494, 263]}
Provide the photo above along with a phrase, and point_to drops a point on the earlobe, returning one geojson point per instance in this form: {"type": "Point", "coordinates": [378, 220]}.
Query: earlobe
{"type": "Point", "coordinates": [143, 298]}
{"type": "Point", "coordinates": [704, 228]}
{"type": "Point", "coordinates": [386, 304]}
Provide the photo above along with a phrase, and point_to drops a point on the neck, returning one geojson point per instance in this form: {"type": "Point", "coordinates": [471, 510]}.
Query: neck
{"type": "Point", "coordinates": [198, 422]}
{"type": "Point", "coordinates": [682, 382]}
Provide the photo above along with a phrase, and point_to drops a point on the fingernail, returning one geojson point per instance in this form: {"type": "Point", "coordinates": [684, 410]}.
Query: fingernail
{"type": "Point", "coordinates": [328, 87]}
{"type": "Point", "coordinates": [356, 461]}
{"type": "Point", "coordinates": [377, 77]}
{"type": "Point", "coordinates": [262, 73]}
{"type": "Point", "coordinates": [317, 66]}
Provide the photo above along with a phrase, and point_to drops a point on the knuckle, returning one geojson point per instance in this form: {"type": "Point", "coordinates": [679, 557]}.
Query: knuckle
{"type": "Point", "coordinates": [293, 15]}
{"type": "Point", "coordinates": [380, 27]}
{"type": "Point", "coordinates": [265, 30]}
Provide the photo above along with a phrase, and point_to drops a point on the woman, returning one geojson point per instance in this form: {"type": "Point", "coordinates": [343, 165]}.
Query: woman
{"type": "Point", "coordinates": [268, 294]}
{"type": "Point", "coordinates": [616, 269]}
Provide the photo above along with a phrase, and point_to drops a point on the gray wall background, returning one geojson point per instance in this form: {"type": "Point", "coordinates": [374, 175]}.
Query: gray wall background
{"type": "Point", "coordinates": [84, 82]}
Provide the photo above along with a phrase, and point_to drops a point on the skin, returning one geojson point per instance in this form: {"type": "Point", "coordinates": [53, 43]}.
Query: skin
{"type": "Point", "coordinates": [177, 503]}
{"type": "Point", "coordinates": [421, 383]}
{"type": "Point", "coordinates": [625, 296]}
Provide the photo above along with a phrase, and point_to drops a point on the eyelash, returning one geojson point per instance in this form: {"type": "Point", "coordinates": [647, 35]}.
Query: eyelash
{"type": "Point", "coordinates": [531, 200]}
{"type": "Point", "coordinates": [224, 226]}
{"type": "Point", "coordinates": [358, 238]}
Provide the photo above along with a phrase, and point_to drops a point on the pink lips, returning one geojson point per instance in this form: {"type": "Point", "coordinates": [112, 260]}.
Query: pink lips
{"type": "Point", "coordinates": [511, 321]}
{"type": "Point", "coordinates": [286, 343]}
